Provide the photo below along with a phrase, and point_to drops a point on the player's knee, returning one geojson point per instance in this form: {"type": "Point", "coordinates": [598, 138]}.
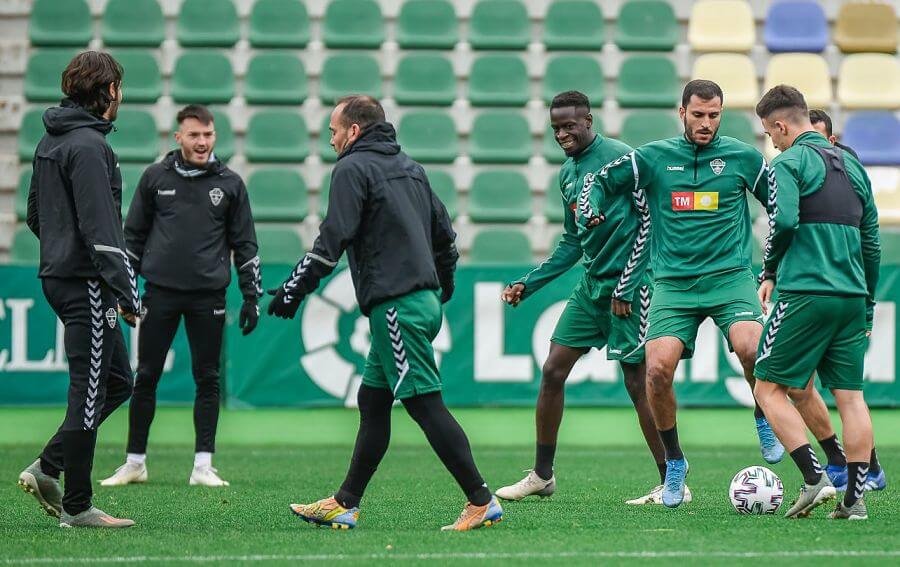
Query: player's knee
{"type": "Point", "coordinates": [207, 380]}
{"type": "Point", "coordinates": [635, 382]}
{"type": "Point", "coordinates": [659, 375]}
{"type": "Point", "coordinates": [553, 375]}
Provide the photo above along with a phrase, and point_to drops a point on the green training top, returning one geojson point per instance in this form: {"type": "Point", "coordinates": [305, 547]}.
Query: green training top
{"type": "Point", "coordinates": [818, 256]}
{"type": "Point", "coordinates": [695, 197]}
{"type": "Point", "coordinates": [604, 250]}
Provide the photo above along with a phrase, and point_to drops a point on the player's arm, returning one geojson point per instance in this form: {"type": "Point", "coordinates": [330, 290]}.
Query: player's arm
{"type": "Point", "coordinates": [139, 220]}
{"type": "Point", "coordinates": [443, 245]}
{"type": "Point", "coordinates": [759, 186]}
{"type": "Point", "coordinates": [784, 214]}
{"type": "Point", "coordinates": [871, 248]}
{"type": "Point", "coordinates": [32, 218]}
{"type": "Point", "coordinates": [241, 235]}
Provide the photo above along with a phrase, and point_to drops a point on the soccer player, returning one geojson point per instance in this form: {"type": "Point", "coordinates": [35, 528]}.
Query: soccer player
{"type": "Point", "coordinates": [599, 313]}
{"type": "Point", "coordinates": [190, 214]}
{"type": "Point", "coordinates": [402, 255]}
{"type": "Point", "coordinates": [74, 208]}
{"type": "Point", "coordinates": [823, 253]}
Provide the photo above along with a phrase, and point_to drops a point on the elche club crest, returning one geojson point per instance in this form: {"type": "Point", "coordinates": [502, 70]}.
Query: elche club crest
{"type": "Point", "coordinates": [111, 317]}
{"type": "Point", "coordinates": [717, 165]}
{"type": "Point", "coordinates": [215, 195]}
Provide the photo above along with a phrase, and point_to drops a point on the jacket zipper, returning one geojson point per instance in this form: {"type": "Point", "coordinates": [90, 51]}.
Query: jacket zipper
{"type": "Point", "coordinates": [696, 151]}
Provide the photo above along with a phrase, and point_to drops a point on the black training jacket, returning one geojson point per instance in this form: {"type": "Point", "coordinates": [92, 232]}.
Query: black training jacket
{"type": "Point", "coordinates": [75, 203]}
{"type": "Point", "coordinates": [184, 223]}
{"type": "Point", "coordinates": [381, 209]}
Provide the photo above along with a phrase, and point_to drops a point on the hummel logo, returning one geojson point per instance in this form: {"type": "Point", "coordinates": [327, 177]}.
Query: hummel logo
{"type": "Point", "coordinates": [742, 313]}
{"type": "Point", "coordinates": [615, 351]}
{"type": "Point", "coordinates": [165, 192]}
{"type": "Point", "coordinates": [218, 312]}
{"type": "Point", "coordinates": [570, 184]}
{"type": "Point", "coordinates": [674, 168]}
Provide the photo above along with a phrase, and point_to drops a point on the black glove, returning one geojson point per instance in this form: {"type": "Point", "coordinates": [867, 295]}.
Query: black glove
{"type": "Point", "coordinates": [447, 289]}
{"type": "Point", "coordinates": [249, 316]}
{"type": "Point", "coordinates": [127, 313]}
{"type": "Point", "coordinates": [284, 305]}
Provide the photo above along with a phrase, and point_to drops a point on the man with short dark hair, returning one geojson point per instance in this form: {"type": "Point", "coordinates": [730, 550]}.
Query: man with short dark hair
{"type": "Point", "coordinates": [189, 216]}
{"type": "Point", "coordinates": [824, 250]}
{"type": "Point", "coordinates": [74, 208]}
{"type": "Point", "coordinates": [822, 124]}
{"type": "Point", "coordinates": [402, 255]}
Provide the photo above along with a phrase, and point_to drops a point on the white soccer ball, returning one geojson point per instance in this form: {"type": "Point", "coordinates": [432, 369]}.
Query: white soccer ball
{"type": "Point", "coordinates": [756, 490]}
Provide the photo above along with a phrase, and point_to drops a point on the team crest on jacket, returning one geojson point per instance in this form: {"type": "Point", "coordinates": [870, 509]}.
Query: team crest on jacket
{"type": "Point", "coordinates": [111, 317]}
{"type": "Point", "coordinates": [717, 165]}
{"type": "Point", "coordinates": [215, 195]}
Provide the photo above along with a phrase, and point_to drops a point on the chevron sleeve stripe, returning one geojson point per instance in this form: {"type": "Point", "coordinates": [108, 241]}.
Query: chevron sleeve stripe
{"type": "Point", "coordinates": [633, 269]}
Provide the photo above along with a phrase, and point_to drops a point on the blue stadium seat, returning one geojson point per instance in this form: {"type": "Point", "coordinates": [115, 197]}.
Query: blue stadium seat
{"type": "Point", "coordinates": [796, 25]}
{"type": "Point", "coordinates": [875, 136]}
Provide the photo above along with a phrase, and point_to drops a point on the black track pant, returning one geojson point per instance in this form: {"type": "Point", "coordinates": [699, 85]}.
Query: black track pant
{"type": "Point", "coordinates": [204, 321]}
{"type": "Point", "coordinates": [100, 380]}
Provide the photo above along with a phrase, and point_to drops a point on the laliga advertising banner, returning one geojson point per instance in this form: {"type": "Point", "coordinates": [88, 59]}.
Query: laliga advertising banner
{"type": "Point", "coordinates": [489, 354]}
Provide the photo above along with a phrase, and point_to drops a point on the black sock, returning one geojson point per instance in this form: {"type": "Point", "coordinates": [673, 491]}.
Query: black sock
{"type": "Point", "coordinates": [856, 482]}
{"type": "Point", "coordinates": [874, 465]}
{"type": "Point", "coordinates": [834, 451]}
{"type": "Point", "coordinates": [78, 451]}
{"type": "Point", "coordinates": [808, 464]}
{"type": "Point", "coordinates": [543, 461]}
{"type": "Point", "coordinates": [662, 472]}
{"type": "Point", "coordinates": [372, 441]}
{"type": "Point", "coordinates": [757, 411]}
{"type": "Point", "coordinates": [670, 442]}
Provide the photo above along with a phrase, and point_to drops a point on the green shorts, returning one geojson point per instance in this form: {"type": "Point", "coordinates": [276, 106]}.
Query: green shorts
{"type": "Point", "coordinates": [401, 358]}
{"type": "Point", "coordinates": [587, 320]}
{"type": "Point", "coordinates": [807, 333]}
{"type": "Point", "coordinates": [681, 304]}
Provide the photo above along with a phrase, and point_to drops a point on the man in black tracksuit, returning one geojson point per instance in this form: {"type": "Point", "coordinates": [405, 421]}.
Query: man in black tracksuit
{"type": "Point", "coordinates": [189, 215]}
{"type": "Point", "coordinates": [74, 208]}
{"type": "Point", "coordinates": [402, 256]}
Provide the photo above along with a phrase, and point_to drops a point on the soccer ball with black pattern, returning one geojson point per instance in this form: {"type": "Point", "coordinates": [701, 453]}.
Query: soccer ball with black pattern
{"type": "Point", "coordinates": [756, 490]}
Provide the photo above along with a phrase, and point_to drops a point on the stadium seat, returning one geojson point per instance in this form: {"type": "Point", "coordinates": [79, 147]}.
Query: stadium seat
{"type": "Point", "coordinates": [202, 77]}
{"type": "Point", "coordinates": [279, 23]}
{"type": "Point", "coordinates": [500, 137]}
{"type": "Point", "coordinates": [57, 23]}
{"type": "Point", "coordinates": [275, 78]}
{"type": "Point", "coordinates": [866, 27]}
{"type": "Point", "coordinates": [425, 79]}
{"type": "Point", "coordinates": [734, 72]}
{"type": "Point", "coordinates": [30, 133]}
{"type": "Point", "coordinates": [428, 136]}
{"type": "Point", "coordinates": [25, 248]}
{"type": "Point", "coordinates": [324, 191]}
{"type": "Point", "coordinates": [208, 23]}
{"type": "Point", "coordinates": [499, 246]}
{"type": "Point", "coordinates": [278, 244]}
{"type": "Point", "coordinates": [647, 25]}
{"type": "Point", "coordinates": [648, 81]}
{"type": "Point", "coordinates": [796, 25]}
{"type": "Point", "coordinates": [43, 74]}
{"type": "Point", "coordinates": [737, 125]}
{"type": "Point", "coordinates": [131, 176]}
{"type": "Point", "coordinates": [806, 71]}
{"type": "Point", "coordinates": [869, 81]}
{"type": "Point", "coordinates": [22, 193]}
{"type": "Point", "coordinates": [353, 24]}
{"type": "Point", "coordinates": [349, 73]}
{"type": "Point", "coordinates": [276, 136]}
{"type": "Point", "coordinates": [643, 126]}
{"type": "Point", "coordinates": [499, 196]}
{"type": "Point", "coordinates": [427, 24]}
{"type": "Point", "coordinates": [443, 186]}
{"type": "Point", "coordinates": [143, 79]}
{"type": "Point", "coordinates": [499, 24]}
{"type": "Point", "coordinates": [875, 136]}
{"type": "Point", "coordinates": [886, 189]}
{"type": "Point", "coordinates": [277, 195]}
{"type": "Point", "coordinates": [133, 23]}
{"type": "Point", "coordinates": [574, 72]}
{"type": "Point", "coordinates": [721, 25]}
{"type": "Point", "coordinates": [553, 205]}
{"type": "Point", "coordinates": [574, 24]}
{"type": "Point", "coordinates": [135, 137]}
{"type": "Point", "coordinates": [498, 80]}
{"type": "Point", "coordinates": [890, 247]}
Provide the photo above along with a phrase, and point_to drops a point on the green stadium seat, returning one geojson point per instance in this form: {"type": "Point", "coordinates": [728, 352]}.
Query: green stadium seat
{"type": "Point", "coordinates": [500, 196]}
{"type": "Point", "coordinates": [647, 25]}
{"type": "Point", "coordinates": [277, 195]}
{"type": "Point", "coordinates": [279, 23]}
{"type": "Point", "coordinates": [443, 186]}
{"type": "Point", "coordinates": [208, 23]}
{"type": "Point", "coordinates": [427, 24]}
{"type": "Point", "coordinates": [278, 244]}
{"type": "Point", "coordinates": [22, 193]}
{"type": "Point", "coordinates": [425, 79]}
{"type": "Point", "coordinates": [574, 73]}
{"type": "Point", "coordinates": [131, 176]}
{"type": "Point", "coordinates": [202, 77]}
{"type": "Point", "coordinates": [890, 247]}
{"type": "Point", "coordinates": [56, 23]}
{"type": "Point", "coordinates": [553, 206]}
{"type": "Point", "coordinates": [143, 79]}
{"type": "Point", "coordinates": [135, 137]}
{"type": "Point", "coordinates": [648, 81]}
{"type": "Point", "coordinates": [428, 136]}
{"type": "Point", "coordinates": [498, 80]}
{"type": "Point", "coordinates": [275, 78]}
{"type": "Point", "coordinates": [353, 24]}
{"type": "Point", "coordinates": [43, 74]}
{"type": "Point", "coordinates": [324, 190]}
{"type": "Point", "coordinates": [25, 248]}
{"type": "Point", "coordinates": [30, 133]}
{"type": "Point", "coordinates": [499, 24]}
{"type": "Point", "coordinates": [349, 73]}
{"type": "Point", "coordinates": [500, 246]}
{"type": "Point", "coordinates": [224, 149]}
{"type": "Point", "coordinates": [133, 23]}
{"type": "Point", "coordinates": [737, 125]}
{"type": "Point", "coordinates": [574, 24]}
{"type": "Point", "coordinates": [500, 137]}
{"type": "Point", "coordinates": [643, 126]}
{"type": "Point", "coordinates": [276, 136]}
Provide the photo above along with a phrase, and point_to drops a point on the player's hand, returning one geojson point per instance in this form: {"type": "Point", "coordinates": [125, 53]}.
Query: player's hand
{"type": "Point", "coordinates": [513, 294]}
{"type": "Point", "coordinates": [129, 316]}
{"type": "Point", "coordinates": [621, 308]}
{"type": "Point", "coordinates": [765, 294]}
{"type": "Point", "coordinates": [249, 316]}
{"type": "Point", "coordinates": [284, 305]}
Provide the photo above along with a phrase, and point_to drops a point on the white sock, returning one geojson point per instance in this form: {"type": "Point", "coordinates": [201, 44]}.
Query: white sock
{"type": "Point", "coordinates": [136, 458]}
{"type": "Point", "coordinates": [202, 459]}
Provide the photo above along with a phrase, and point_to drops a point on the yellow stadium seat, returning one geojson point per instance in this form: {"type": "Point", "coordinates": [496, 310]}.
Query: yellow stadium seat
{"type": "Point", "coordinates": [869, 80]}
{"type": "Point", "coordinates": [807, 72]}
{"type": "Point", "coordinates": [886, 188]}
{"type": "Point", "coordinates": [866, 26]}
{"type": "Point", "coordinates": [733, 72]}
{"type": "Point", "coordinates": [721, 25]}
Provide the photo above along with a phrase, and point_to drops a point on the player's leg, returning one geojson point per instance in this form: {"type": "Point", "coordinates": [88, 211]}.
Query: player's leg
{"type": "Point", "coordinates": [812, 408]}
{"type": "Point", "coordinates": [857, 432]}
{"type": "Point", "coordinates": [636, 385]}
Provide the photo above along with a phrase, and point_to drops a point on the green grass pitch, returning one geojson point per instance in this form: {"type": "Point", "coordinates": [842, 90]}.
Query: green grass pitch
{"type": "Point", "coordinates": [274, 457]}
